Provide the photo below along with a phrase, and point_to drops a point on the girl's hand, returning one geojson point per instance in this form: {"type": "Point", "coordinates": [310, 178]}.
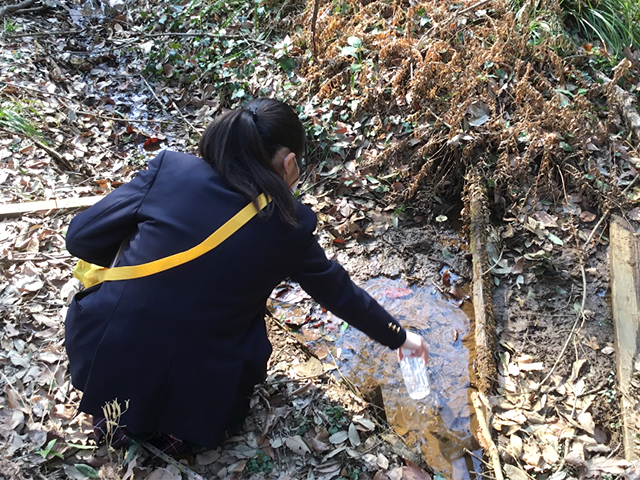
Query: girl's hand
{"type": "Point", "coordinates": [416, 345]}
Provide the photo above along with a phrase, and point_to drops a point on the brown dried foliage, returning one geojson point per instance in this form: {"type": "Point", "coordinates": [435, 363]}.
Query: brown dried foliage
{"type": "Point", "coordinates": [431, 75]}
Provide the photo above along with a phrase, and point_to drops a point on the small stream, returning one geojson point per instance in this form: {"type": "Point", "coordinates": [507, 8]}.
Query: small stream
{"type": "Point", "coordinates": [439, 425]}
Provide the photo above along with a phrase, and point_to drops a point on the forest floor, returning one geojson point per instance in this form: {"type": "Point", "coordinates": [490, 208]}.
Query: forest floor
{"type": "Point", "coordinates": [402, 101]}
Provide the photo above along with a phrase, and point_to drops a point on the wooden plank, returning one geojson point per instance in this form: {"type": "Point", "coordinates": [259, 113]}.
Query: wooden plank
{"type": "Point", "coordinates": [625, 298]}
{"type": "Point", "coordinates": [19, 209]}
{"type": "Point", "coordinates": [485, 327]}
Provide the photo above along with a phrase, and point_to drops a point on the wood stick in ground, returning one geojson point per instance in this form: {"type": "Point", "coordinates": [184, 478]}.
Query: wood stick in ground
{"type": "Point", "coordinates": [16, 6]}
{"type": "Point", "coordinates": [625, 303]}
{"type": "Point", "coordinates": [485, 335]}
{"type": "Point", "coordinates": [314, 19]}
{"type": "Point", "coordinates": [56, 204]}
{"type": "Point", "coordinates": [485, 431]}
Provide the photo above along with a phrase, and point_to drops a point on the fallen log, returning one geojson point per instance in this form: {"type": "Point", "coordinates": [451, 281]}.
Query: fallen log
{"type": "Point", "coordinates": [624, 252]}
{"type": "Point", "coordinates": [485, 336]}
{"type": "Point", "coordinates": [19, 209]}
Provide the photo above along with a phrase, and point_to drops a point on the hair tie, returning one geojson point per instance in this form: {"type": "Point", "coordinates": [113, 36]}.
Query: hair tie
{"type": "Point", "coordinates": [254, 114]}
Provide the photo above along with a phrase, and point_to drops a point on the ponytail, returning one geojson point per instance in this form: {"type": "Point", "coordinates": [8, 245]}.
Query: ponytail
{"type": "Point", "coordinates": [241, 145]}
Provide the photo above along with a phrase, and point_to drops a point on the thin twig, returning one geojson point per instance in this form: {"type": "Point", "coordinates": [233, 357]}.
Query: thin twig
{"type": "Point", "coordinates": [199, 132]}
{"type": "Point", "coordinates": [299, 379]}
{"type": "Point", "coordinates": [52, 33]}
{"type": "Point", "coordinates": [153, 92]}
{"type": "Point", "coordinates": [466, 450]}
{"type": "Point", "coordinates": [495, 264]}
{"type": "Point", "coordinates": [472, 7]}
{"type": "Point", "coordinates": [205, 34]}
{"type": "Point", "coordinates": [160, 454]}
{"type": "Point", "coordinates": [17, 6]}
{"type": "Point", "coordinates": [593, 232]}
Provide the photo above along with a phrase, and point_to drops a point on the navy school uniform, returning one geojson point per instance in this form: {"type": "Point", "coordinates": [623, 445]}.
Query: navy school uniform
{"type": "Point", "coordinates": [185, 347]}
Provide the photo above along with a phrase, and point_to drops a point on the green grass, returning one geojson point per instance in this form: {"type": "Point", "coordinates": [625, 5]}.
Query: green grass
{"type": "Point", "coordinates": [616, 23]}
{"type": "Point", "coordinates": [13, 121]}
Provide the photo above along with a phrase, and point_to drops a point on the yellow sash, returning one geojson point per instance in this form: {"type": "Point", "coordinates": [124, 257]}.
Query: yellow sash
{"type": "Point", "coordinates": [90, 274]}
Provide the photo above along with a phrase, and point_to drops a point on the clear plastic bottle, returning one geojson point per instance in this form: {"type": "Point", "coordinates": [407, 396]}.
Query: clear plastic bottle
{"type": "Point", "coordinates": [415, 375]}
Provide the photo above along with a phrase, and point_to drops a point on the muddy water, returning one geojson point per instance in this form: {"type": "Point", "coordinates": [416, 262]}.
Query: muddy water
{"type": "Point", "coordinates": [440, 425]}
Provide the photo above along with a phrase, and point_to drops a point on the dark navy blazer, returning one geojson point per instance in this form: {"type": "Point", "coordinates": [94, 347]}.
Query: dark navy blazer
{"type": "Point", "coordinates": [184, 347]}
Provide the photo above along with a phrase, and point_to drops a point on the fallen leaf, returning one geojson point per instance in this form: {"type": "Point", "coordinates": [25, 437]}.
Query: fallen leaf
{"type": "Point", "coordinates": [354, 438]}
{"type": "Point", "coordinates": [478, 114]}
{"type": "Point", "coordinates": [310, 368]}
{"type": "Point", "coordinates": [546, 220]}
{"type": "Point", "coordinates": [152, 144]}
{"type": "Point", "coordinates": [317, 445]}
{"type": "Point", "coordinates": [380, 475]}
{"type": "Point", "coordinates": [297, 445]}
{"type": "Point", "coordinates": [397, 292]}
{"type": "Point", "coordinates": [614, 466]}
{"type": "Point", "coordinates": [634, 214]}
{"type": "Point", "coordinates": [339, 437]}
{"type": "Point", "coordinates": [515, 448]}
{"type": "Point", "coordinates": [550, 454]}
{"type": "Point", "coordinates": [587, 217]}
{"type": "Point", "coordinates": [383, 462]}
{"type": "Point", "coordinates": [162, 474]}
{"type": "Point", "coordinates": [208, 457]}
{"type": "Point", "coordinates": [586, 422]}
{"type": "Point", "coordinates": [515, 473]}
{"type": "Point", "coordinates": [365, 423]}
{"type": "Point", "coordinates": [413, 472]}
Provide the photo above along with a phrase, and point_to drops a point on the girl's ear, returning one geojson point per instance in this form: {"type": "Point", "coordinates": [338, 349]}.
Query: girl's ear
{"type": "Point", "coordinates": [290, 165]}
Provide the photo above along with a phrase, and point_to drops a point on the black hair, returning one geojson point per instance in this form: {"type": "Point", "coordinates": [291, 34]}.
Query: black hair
{"type": "Point", "coordinates": [241, 145]}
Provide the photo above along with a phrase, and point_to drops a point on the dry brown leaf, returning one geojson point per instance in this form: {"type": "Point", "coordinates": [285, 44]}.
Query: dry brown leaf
{"type": "Point", "coordinates": [515, 447]}
{"type": "Point", "coordinates": [614, 466]}
{"type": "Point", "coordinates": [380, 475]}
{"type": "Point", "coordinates": [515, 473]}
{"type": "Point", "coordinates": [317, 445]}
{"type": "Point", "coordinates": [412, 472]}
{"type": "Point", "coordinates": [366, 424]}
{"type": "Point", "coordinates": [297, 445]}
{"type": "Point", "coordinates": [587, 217]}
{"type": "Point", "coordinates": [576, 456]}
{"type": "Point", "coordinates": [546, 220]}
{"type": "Point", "coordinates": [586, 422]}
{"type": "Point", "coordinates": [531, 455]}
{"type": "Point", "coordinates": [550, 454]}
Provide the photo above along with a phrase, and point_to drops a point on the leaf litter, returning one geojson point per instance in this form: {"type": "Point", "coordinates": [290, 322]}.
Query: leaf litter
{"type": "Point", "coordinates": [406, 99]}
